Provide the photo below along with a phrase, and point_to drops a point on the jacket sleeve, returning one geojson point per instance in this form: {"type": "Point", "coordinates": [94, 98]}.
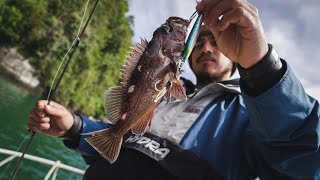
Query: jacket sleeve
{"type": "Point", "coordinates": [79, 143]}
{"type": "Point", "coordinates": [286, 129]}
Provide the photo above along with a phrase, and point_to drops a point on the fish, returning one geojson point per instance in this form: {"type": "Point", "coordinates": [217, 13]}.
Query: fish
{"type": "Point", "coordinates": [151, 72]}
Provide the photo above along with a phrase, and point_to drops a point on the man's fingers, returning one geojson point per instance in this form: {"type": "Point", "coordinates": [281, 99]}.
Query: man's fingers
{"type": "Point", "coordinates": [254, 9]}
{"type": "Point", "coordinates": [42, 112]}
{"type": "Point", "coordinates": [205, 6]}
{"type": "Point", "coordinates": [235, 16]}
{"type": "Point", "coordinates": [34, 115]}
{"type": "Point", "coordinates": [44, 126]}
{"type": "Point", "coordinates": [39, 107]}
{"type": "Point", "coordinates": [200, 6]}
{"type": "Point", "coordinates": [40, 104]}
{"type": "Point", "coordinates": [214, 10]}
{"type": "Point", "coordinates": [32, 127]}
{"type": "Point", "coordinates": [55, 111]}
{"type": "Point", "coordinates": [35, 125]}
{"type": "Point", "coordinates": [54, 104]}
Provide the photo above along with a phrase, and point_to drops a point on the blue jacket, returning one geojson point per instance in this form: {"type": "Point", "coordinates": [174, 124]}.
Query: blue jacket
{"type": "Point", "coordinates": [274, 135]}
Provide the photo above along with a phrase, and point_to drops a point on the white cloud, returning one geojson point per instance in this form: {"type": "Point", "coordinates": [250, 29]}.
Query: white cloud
{"type": "Point", "coordinates": [149, 15]}
{"type": "Point", "coordinates": [293, 31]}
{"type": "Point", "coordinates": [314, 91]}
{"type": "Point", "coordinates": [308, 14]}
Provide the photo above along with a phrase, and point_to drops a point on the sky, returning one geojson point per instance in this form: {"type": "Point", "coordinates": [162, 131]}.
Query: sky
{"type": "Point", "coordinates": [291, 26]}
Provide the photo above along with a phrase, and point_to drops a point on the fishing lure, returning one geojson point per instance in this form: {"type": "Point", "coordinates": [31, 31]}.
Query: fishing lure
{"type": "Point", "coordinates": [192, 38]}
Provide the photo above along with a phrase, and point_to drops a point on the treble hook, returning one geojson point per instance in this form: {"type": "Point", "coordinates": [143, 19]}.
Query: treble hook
{"type": "Point", "coordinates": [193, 16]}
{"type": "Point", "coordinates": [195, 13]}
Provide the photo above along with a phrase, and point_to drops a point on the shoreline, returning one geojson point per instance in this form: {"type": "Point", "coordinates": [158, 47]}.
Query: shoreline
{"type": "Point", "coordinates": [34, 91]}
{"type": "Point", "coordinates": [16, 68]}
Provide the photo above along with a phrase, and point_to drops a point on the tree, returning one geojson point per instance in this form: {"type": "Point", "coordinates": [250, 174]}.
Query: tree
{"type": "Point", "coordinates": [43, 30]}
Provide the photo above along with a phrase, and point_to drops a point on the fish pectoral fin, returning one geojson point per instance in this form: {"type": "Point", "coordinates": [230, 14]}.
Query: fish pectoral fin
{"type": "Point", "coordinates": [107, 145]}
{"type": "Point", "coordinates": [144, 122]}
{"type": "Point", "coordinates": [176, 90]}
{"type": "Point", "coordinates": [113, 103]}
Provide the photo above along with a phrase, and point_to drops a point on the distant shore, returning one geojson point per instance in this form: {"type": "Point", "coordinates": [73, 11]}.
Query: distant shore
{"type": "Point", "coordinates": [17, 69]}
{"type": "Point", "coordinates": [35, 91]}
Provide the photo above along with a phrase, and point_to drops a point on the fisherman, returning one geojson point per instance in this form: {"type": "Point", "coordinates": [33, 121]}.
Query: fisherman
{"type": "Point", "coordinates": [270, 130]}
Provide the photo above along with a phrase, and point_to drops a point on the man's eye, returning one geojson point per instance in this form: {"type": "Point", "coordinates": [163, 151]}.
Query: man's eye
{"type": "Point", "coordinates": [213, 42]}
{"type": "Point", "coordinates": [198, 44]}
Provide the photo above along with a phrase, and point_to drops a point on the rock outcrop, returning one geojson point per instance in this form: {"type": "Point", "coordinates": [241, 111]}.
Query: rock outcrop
{"type": "Point", "coordinates": [15, 65]}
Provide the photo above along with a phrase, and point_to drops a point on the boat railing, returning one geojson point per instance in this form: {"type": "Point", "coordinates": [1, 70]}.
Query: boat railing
{"type": "Point", "coordinates": [56, 165]}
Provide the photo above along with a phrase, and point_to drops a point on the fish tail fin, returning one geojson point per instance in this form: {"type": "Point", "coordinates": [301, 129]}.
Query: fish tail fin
{"type": "Point", "coordinates": [107, 145]}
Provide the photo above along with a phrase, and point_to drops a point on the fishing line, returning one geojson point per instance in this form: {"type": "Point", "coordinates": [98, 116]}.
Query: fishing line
{"type": "Point", "coordinates": [54, 78]}
{"type": "Point", "coordinates": [25, 138]}
{"type": "Point", "coordinates": [193, 16]}
{"type": "Point", "coordinates": [74, 45]}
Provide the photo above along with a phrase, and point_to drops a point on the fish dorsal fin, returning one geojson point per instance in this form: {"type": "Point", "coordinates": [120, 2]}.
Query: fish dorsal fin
{"type": "Point", "coordinates": [176, 90]}
{"type": "Point", "coordinates": [132, 61]}
{"type": "Point", "coordinates": [113, 103]}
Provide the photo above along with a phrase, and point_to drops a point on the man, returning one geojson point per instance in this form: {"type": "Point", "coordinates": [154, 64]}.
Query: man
{"type": "Point", "coordinates": [269, 130]}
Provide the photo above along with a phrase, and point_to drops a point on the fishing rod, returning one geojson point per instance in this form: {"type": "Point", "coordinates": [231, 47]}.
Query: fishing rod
{"type": "Point", "coordinates": [76, 43]}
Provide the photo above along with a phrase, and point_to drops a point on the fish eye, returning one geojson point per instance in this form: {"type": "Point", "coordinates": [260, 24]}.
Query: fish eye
{"type": "Point", "coordinates": [167, 28]}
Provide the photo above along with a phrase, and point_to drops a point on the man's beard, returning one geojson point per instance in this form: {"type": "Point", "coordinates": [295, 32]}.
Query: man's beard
{"type": "Point", "coordinates": [207, 77]}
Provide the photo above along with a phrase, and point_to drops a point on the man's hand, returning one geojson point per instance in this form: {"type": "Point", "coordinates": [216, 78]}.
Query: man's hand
{"type": "Point", "coordinates": [53, 119]}
{"type": "Point", "coordinates": [239, 34]}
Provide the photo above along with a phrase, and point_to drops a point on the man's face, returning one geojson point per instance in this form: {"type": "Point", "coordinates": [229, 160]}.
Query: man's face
{"type": "Point", "coordinates": [207, 60]}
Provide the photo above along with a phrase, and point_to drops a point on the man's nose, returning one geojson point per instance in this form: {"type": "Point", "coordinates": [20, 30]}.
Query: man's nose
{"type": "Point", "coordinates": [208, 47]}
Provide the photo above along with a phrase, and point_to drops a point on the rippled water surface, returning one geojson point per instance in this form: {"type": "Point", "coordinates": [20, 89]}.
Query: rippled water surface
{"type": "Point", "coordinates": [15, 104]}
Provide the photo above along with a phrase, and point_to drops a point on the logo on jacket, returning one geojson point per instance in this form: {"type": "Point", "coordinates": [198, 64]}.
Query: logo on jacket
{"type": "Point", "coordinates": [142, 143]}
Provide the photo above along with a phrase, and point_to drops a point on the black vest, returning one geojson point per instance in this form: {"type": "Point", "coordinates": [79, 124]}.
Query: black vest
{"type": "Point", "coordinates": [152, 158]}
